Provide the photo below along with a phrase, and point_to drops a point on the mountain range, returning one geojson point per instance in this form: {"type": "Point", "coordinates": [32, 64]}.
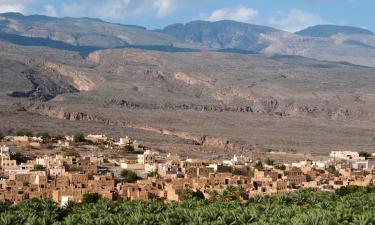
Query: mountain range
{"type": "Point", "coordinates": [322, 42]}
{"type": "Point", "coordinates": [206, 88]}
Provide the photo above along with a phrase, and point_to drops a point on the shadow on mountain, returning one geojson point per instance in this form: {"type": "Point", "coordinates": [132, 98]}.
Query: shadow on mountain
{"type": "Point", "coordinates": [162, 48]}
{"type": "Point", "coordinates": [238, 51]}
{"type": "Point", "coordinates": [82, 50]}
{"type": "Point", "coordinates": [31, 41]}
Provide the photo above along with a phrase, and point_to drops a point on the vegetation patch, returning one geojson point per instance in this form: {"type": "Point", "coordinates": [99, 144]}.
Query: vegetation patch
{"type": "Point", "coordinates": [351, 205]}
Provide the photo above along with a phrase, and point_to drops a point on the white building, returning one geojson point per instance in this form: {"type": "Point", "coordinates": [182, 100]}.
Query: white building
{"type": "Point", "coordinates": [237, 160]}
{"type": "Point", "coordinates": [344, 155]}
{"type": "Point", "coordinates": [96, 138]}
{"type": "Point", "coordinates": [66, 199]}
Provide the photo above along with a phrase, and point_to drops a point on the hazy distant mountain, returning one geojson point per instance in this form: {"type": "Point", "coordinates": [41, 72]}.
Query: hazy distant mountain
{"type": "Point", "coordinates": [330, 30]}
{"type": "Point", "coordinates": [85, 35]}
{"type": "Point", "coordinates": [80, 31]}
{"type": "Point", "coordinates": [221, 34]}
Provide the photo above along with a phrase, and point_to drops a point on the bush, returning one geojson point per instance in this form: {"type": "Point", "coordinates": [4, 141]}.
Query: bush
{"type": "Point", "coordinates": [71, 153]}
{"type": "Point", "coordinates": [90, 198]}
{"type": "Point", "coordinates": [152, 174]}
{"type": "Point", "coordinates": [128, 149]}
{"type": "Point", "coordinates": [270, 162]}
{"type": "Point", "coordinates": [17, 156]}
{"type": "Point", "coordinates": [236, 171]}
{"type": "Point", "coordinates": [129, 176]}
{"type": "Point", "coordinates": [280, 167]}
{"type": "Point", "coordinates": [45, 136]}
{"type": "Point", "coordinates": [59, 137]}
{"type": "Point", "coordinates": [258, 165]}
{"type": "Point", "coordinates": [75, 169]}
{"type": "Point", "coordinates": [189, 194]}
{"type": "Point", "coordinates": [24, 133]}
{"type": "Point", "coordinates": [364, 154]}
{"type": "Point", "coordinates": [38, 167]}
{"type": "Point", "coordinates": [78, 137]}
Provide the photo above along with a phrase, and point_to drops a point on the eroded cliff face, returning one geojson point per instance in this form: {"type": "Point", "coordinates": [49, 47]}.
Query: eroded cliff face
{"type": "Point", "coordinates": [50, 79]}
{"type": "Point", "coordinates": [58, 112]}
{"type": "Point", "coordinates": [208, 99]}
{"type": "Point", "coordinates": [79, 79]}
{"type": "Point", "coordinates": [279, 86]}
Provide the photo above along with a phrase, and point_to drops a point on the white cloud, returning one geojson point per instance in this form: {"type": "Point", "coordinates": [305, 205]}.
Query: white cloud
{"type": "Point", "coordinates": [121, 9]}
{"type": "Point", "coordinates": [295, 20]}
{"type": "Point", "coordinates": [241, 14]}
{"type": "Point", "coordinates": [164, 7]}
{"type": "Point", "coordinates": [50, 10]}
{"type": "Point", "coordinates": [12, 8]}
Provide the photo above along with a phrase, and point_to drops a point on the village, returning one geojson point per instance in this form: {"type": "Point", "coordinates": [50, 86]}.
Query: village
{"type": "Point", "coordinates": [142, 173]}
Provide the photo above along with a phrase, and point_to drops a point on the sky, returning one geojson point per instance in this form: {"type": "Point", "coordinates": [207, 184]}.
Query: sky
{"type": "Point", "coordinates": [289, 15]}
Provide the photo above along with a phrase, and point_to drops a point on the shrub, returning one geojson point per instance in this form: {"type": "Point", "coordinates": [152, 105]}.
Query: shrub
{"type": "Point", "coordinates": [236, 171]}
{"type": "Point", "coordinates": [24, 133]}
{"type": "Point", "coordinates": [189, 194]}
{"type": "Point", "coordinates": [71, 153]}
{"type": "Point", "coordinates": [270, 162]}
{"type": "Point", "coordinates": [59, 137]}
{"type": "Point", "coordinates": [364, 154]}
{"type": "Point", "coordinates": [129, 176]}
{"type": "Point", "coordinates": [331, 169]}
{"type": "Point", "coordinates": [152, 174]}
{"type": "Point", "coordinates": [90, 198]}
{"type": "Point", "coordinates": [78, 137]}
{"type": "Point", "coordinates": [17, 156]}
{"type": "Point", "coordinates": [280, 167]}
{"type": "Point", "coordinates": [38, 167]}
{"type": "Point", "coordinates": [128, 149]}
{"type": "Point", "coordinates": [258, 165]}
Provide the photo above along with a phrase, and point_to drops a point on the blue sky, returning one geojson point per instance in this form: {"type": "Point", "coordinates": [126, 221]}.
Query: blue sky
{"type": "Point", "coordinates": [290, 15]}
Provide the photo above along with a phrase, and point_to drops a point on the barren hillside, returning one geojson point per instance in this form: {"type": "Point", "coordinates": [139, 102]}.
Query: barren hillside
{"type": "Point", "coordinates": [194, 100]}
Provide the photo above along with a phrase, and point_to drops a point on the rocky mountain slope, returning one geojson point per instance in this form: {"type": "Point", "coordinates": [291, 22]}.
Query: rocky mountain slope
{"type": "Point", "coordinates": [80, 31]}
{"type": "Point", "coordinates": [228, 101]}
{"type": "Point", "coordinates": [233, 92]}
{"type": "Point", "coordinates": [331, 30]}
{"type": "Point", "coordinates": [84, 35]}
{"type": "Point", "coordinates": [221, 34]}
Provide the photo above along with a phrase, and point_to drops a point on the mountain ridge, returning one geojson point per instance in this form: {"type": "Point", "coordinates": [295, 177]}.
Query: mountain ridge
{"type": "Point", "coordinates": [85, 35]}
{"type": "Point", "coordinates": [330, 30]}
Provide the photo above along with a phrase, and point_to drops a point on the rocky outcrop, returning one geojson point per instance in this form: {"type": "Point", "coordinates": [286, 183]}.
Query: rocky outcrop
{"type": "Point", "coordinates": [204, 140]}
{"type": "Point", "coordinates": [78, 79]}
{"type": "Point", "coordinates": [43, 88]}
{"type": "Point", "coordinates": [268, 106]}
{"type": "Point", "coordinates": [50, 79]}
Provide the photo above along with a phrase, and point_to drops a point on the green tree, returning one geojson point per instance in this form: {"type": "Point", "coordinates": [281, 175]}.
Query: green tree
{"type": "Point", "coordinates": [280, 167]}
{"type": "Point", "coordinates": [236, 171]}
{"type": "Point", "coordinates": [189, 194]}
{"type": "Point", "coordinates": [364, 154]}
{"type": "Point", "coordinates": [258, 165]}
{"type": "Point", "coordinates": [90, 198]}
{"type": "Point", "coordinates": [38, 167]}
{"type": "Point", "coordinates": [71, 153]}
{"type": "Point", "coordinates": [45, 136]}
{"type": "Point", "coordinates": [78, 137]}
{"type": "Point", "coordinates": [59, 137]}
{"type": "Point", "coordinates": [128, 149]}
{"type": "Point", "coordinates": [331, 169]}
{"type": "Point", "coordinates": [152, 174]}
{"type": "Point", "coordinates": [130, 176]}
{"type": "Point", "coordinates": [18, 157]}
{"type": "Point", "coordinates": [270, 162]}
{"type": "Point", "coordinates": [24, 133]}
